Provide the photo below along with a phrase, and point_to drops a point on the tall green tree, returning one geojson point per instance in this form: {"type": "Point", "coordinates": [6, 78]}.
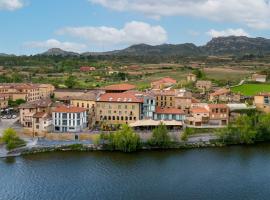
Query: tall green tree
{"type": "Point", "coordinates": [160, 136]}
{"type": "Point", "coordinates": [125, 139]}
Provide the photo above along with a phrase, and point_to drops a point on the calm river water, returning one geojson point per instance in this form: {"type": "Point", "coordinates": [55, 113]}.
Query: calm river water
{"type": "Point", "coordinates": [225, 173]}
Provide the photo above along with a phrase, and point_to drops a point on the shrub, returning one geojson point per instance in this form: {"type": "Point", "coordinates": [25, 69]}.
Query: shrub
{"type": "Point", "coordinates": [11, 139]}
{"type": "Point", "coordinates": [160, 137]}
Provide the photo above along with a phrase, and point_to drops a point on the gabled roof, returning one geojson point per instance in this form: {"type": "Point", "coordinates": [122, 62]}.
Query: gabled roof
{"type": "Point", "coordinates": [120, 87]}
{"type": "Point", "coordinates": [42, 103]}
{"type": "Point", "coordinates": [165, 80]}
{"type": "Point", "coordinates": [199, 110]}
{"type": "Point", "coordinates": [69, 109]}
{"type": "Point", "coordinates": [127, 97]}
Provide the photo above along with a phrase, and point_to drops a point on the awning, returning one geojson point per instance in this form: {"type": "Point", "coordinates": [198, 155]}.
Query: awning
{"type": "Point", "coordinates": [151, 122]}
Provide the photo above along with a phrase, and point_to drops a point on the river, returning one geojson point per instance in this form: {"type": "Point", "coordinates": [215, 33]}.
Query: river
{"type": "Point", "coordinates": [218, 173]}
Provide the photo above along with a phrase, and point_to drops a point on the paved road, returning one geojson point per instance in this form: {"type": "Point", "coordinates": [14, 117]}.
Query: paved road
{"type": "Point", "coordinates": [9, 123]}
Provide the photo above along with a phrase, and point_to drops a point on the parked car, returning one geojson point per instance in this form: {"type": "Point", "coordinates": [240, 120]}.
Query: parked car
{"type": "Point", "coordinates": [14, 116]}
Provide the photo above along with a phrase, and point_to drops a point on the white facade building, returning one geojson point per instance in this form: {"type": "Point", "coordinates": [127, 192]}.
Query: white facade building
{"type": "Point", "coordinates": [68, 119]}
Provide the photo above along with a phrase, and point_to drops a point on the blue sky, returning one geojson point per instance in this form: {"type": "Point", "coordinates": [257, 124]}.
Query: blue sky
{"type": "Point", "coordinates": [33, 26]}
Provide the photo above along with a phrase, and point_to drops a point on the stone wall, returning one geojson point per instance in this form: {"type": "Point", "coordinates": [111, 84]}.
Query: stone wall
{"type": "Point", "coordinates": [60, 136]}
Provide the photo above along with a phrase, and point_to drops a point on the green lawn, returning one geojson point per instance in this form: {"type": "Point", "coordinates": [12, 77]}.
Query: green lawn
{"type": "Point", "coordinates": [251, 89]}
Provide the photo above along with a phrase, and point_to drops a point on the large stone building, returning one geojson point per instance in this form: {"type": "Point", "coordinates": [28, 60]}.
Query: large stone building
{"type": "Point", "coordinates": [204, 85]}
{"type": "Point", "coordinates": [25, 91]}
{"type": "Point", "coordinates": [119, 108]}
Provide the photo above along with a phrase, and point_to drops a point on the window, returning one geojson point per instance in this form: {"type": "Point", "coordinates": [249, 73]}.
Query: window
{"type": "Point", "coordinates": [133, 107]}
{"type": "Point", "coordinates": [117, 117]}
{"type": "Point", "coordinates": [113, 118]}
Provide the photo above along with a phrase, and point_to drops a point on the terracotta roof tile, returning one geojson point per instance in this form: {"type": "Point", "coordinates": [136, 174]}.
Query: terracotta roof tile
{"type": "Point", "coordinates": [69, 109]}
{"type": "Point", "coordinates": [199, 110]}
{"type": "Point", "coordinates": [160, 110]}
{"type": "Point", "coordinates": [120, 87]}
{"type": "Point", "coordinates": [127, 97]}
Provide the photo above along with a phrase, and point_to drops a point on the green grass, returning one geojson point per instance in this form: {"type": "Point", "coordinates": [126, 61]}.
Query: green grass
{"type": "Point", "coordinates": [251, 89]}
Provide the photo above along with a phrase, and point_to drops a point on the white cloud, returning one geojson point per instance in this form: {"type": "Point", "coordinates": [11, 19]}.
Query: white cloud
{"type": "Point", "coordinates": [252, 13]}
{"type": "Point", "coordinates": [11, 4]}
{"type": "Point", "coordinates": [53, 43]}
{"type": "Point", "coordinates": [228, 32]}
{"type": "Point", "coordinates": [132, 33]}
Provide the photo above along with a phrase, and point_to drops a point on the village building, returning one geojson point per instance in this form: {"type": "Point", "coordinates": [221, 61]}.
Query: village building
{"type": "Point", "coordinates": [183, 100]}
{"type": "Point", "coordinates": [87, 69]}
{"type": "Point", "coordinates": [259, 78]}
{"type": "Point", "coordinates": [4, 101]}
{"type": "Point", "coordinates": [69, 119]}
{"type": "Point", "coordinates": [165, 98]}
{"type": "Point", "coordinates": [224, 95]}
{"type": "Point", "coordinates": [119, 88]}
{"type": "Point", "coordinates": [119, 108]}
{"type": "Point", "coordinates": [204, 85]}
{"type": "Point", "coordinates": [218, 114]}
{"type": "Point", "coordinates": [208, 115]}
{"type": "Point", "coordinates": [87, 101]}
{"type": "Point", "coordinates": [168, 114]}
{"type": "Point", "coordinates": [42, 124]}
{"type": "Point", "coordinates": [262, 102]}
{"type": "Point", "coordinates": [191, 78]}
{"type": "Point", "coordinates": [30, 109]}
{"type": "Point", "coordinates": [163, 83]}
{"type": "Point", "coordinates": [27, 92]}
{"type": "Point", "coordinates": [198, 117]}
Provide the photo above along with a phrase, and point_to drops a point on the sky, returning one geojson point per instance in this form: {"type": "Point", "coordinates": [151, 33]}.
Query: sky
{"type": "Point", "coordinates": [33, 26]}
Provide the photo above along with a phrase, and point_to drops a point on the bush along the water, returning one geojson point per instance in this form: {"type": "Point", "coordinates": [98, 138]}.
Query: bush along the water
{"type": "Point", "coordinates": [125, 139]}
{"type": "Point", "coordinates": [247, 129]}
{"type": "Point", "coordinates": [160, 137]}
{"type": "Point", "coordinates": [11, 139]}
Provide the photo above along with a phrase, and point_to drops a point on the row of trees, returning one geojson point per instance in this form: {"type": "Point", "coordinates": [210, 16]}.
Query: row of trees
{"type": "Point", "coordinates": [126, 140]}
{"type": "Point", "coordinates": [247, 129]}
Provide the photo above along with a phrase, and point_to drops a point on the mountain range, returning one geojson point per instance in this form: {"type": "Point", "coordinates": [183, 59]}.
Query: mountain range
{"type": "Point", "coordinates": [232, 45]}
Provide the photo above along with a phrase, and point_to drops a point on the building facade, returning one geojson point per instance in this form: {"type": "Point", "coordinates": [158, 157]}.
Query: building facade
{"type": "Point", "coordinates": [68, 119]}
{"type": "Point", "coordinates": [119, 108]}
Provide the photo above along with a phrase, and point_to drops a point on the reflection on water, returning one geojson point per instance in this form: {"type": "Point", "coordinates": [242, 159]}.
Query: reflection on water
{"type": "Point", "coordinates": [218, 173]}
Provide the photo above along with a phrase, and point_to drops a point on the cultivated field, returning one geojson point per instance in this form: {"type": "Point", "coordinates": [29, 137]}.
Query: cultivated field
{"type": "Point", "coordinates": [251, 89]}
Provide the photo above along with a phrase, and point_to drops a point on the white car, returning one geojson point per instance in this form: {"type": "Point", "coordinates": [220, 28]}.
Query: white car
{"type": "Point", "coordinates": [14, 116]}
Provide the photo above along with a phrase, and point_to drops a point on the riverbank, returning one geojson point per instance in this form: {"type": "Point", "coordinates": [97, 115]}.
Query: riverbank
{"type": "Point", "coordinates": [93, 147]}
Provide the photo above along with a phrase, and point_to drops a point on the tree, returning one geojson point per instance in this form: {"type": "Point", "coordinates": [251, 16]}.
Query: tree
{"type": "Point", "coordinates": [11, 139]}
{"type": "Point", "coordinates": [160, 136]}
{"type": "Point", "coordinates": [199, 73]}
{"type": "Point", "coordinates": [71, 81]}
{"type": "Point", "coordinates": [243, 131]}
{"type": "Point", "coordinates": [125, 139]}
{"type": "Point", "coordinates": [9, 134]}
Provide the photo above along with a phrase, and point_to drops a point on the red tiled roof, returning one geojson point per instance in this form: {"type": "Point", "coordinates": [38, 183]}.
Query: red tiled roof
{"type": "Point", "coordinates": [199, 110]}
{"type": "Point", "coordinates": [165, 80]}
{"type": "Point", "coordinates": [87, 68]}
{"type": "Point", "coordinates": [127, 97]}
{"type": "Point", "coordinates": [69, 109]}
{"type": "Point", "coordinates": [217, 106]}
{"type": "Point", "coordinates": [160, 110]}
{"type": "Point", "coordinates": [220, 92]}
{"type": "Point", "coordinates": [39, 115]}
{"type": "Point", "coordinates": [120, 87]}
